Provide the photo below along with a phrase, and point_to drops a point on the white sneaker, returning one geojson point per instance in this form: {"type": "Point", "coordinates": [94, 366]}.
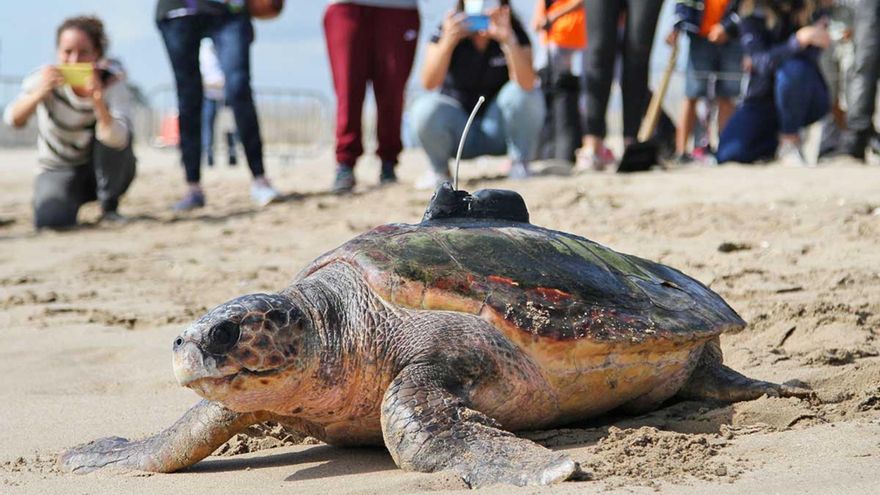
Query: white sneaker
{"type": "Point", "coordinates": [431, 180]}
{"type": "Point", "coordinates": [589, 160]}
{"type": "Point", "coordinates": [519, 170]}
{"type": "Point", "coordinates": [263, 194]}
{"type": "Point", "coordinates": [789, 154]}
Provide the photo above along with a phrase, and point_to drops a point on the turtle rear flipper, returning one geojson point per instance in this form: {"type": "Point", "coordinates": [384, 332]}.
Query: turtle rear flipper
{"type": "Point", "coordinates": [201, 430]}
{"type": "Point", "coordinates": [428, 428]}
{"type": "Point", "coordinates": [711, 379]}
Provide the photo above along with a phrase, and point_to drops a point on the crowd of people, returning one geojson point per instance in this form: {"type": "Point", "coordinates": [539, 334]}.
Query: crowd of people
{"type": "Point", "coordinates": [804, 61]}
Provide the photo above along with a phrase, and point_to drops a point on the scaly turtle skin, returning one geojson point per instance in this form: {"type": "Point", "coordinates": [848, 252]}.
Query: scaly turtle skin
{"type": "Point", "coordinates": [439, 339]}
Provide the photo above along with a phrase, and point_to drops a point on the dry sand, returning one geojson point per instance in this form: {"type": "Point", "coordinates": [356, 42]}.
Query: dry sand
{"type": "Point", "coordinates": [88, 317]}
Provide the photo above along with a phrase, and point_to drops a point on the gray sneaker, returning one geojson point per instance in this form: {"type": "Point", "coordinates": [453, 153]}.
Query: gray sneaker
{"type": "Point", "coordinates": [190, 201]}
{"type": "Point", "coordinates": [519, 170]}
{"type": "Point", "coordinates": [344, 181]}
{"type": "Point", "coordinates": [113, 217]}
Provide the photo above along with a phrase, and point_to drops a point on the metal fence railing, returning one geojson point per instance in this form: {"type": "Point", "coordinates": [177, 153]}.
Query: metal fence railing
{"type": "Point", "coordinates": [9, 88]}
{"type": "Point", "coordinates": [293, 122]}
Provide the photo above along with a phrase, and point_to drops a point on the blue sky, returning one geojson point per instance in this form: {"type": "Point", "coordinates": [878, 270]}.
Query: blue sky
{"type": "Point", "coordinates": [289, 51]}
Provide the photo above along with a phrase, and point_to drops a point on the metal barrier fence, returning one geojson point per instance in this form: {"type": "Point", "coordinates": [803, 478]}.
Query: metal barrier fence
{"type": "Point", "coordinates": [9, 89]}
{"type": "Point", "coordinates": [294, 123]}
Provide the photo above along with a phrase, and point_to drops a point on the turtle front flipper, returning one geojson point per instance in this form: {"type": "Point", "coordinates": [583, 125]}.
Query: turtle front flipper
{"type": "Point", "coordinates": [204, 428]}
{"type": "Point", "coordinates": [711, 379]}
{"type": "Point", "coordinates": [428, 428]}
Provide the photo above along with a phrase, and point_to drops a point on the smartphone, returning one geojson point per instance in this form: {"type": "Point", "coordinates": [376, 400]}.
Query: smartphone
{"type": "Point", "coordinates": [477, 14]}
{"type": "Point", "coordinates": [76, 75]}
{"type": "Point", "coordinates": [477, 22]}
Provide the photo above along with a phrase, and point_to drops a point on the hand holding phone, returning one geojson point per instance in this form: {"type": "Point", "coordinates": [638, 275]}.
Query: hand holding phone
{"type": "Point", "coordinates": [478, 14]}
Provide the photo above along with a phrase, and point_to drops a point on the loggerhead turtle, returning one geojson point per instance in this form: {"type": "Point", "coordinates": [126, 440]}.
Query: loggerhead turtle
{"type": "Point", "coordinates": [439, 339]}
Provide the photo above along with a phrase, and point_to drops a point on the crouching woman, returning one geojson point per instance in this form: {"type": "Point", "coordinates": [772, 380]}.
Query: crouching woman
{"type": "Point", "coordinates": [84, 138]}
{"type": "Point", "coordinates": [466, 61]}
{"type": "Point", "coordinates": [782, 40]}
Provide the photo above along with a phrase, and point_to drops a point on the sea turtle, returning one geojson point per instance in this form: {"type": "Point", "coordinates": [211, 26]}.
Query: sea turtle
{"type": "Point", "coordinates": [439, 339]}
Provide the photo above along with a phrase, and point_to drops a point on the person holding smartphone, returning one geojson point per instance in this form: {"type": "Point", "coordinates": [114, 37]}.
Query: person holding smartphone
{"type": "Point", "coordinates": [84, 141]}
{"type": "Point", "coordinates": [479, 50]}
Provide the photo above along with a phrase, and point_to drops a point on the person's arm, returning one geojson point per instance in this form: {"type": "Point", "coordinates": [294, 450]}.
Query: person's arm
{"type": "Point", "coordinates": [519, 57]}
{"type": "Point", "coordinates": [438, 54]}
{"type": "Point", "coordinates": [19, 111]}
{"type": "Point", "coordinates": [112, 105]}
{"type": "Point", "coordinates": [764, 56]}
{"type": "Point", "coordinates": [731, 20]}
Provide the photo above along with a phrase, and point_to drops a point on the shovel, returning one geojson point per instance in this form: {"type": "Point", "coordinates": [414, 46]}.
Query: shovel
{"type": "Point", "coordinates": [642, 155]}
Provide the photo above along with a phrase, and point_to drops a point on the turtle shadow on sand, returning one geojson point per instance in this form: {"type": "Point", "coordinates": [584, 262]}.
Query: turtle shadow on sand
{"type": "Point", "coordinates": [332, 461]}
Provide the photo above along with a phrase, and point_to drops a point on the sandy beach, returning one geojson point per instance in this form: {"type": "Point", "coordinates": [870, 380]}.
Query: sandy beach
{"type": "Point", "coordinates": [88, 317]}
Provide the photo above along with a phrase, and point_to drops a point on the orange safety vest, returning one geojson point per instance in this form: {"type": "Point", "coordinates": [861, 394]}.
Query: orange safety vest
{"type": "Point", "coordinates": [569, 31]}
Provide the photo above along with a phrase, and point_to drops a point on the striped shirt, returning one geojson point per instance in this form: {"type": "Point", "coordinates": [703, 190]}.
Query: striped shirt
{"type": "Point", "coordinates": [66, 123]}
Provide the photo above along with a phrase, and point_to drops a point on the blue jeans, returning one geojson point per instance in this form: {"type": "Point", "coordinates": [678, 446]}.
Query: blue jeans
{"type": "Point", "coordinates": [232, 36]}
{"type": "Point", "coordinates": [707, 59]}
{"type": "Point", "coordinates": [209, 116]}
{"type": "Point", "coordinates": [800, 94]}
{"type": "Point", "coordinates": [752, 133]}
{"type": "Point", "coordinates": [510, 125]}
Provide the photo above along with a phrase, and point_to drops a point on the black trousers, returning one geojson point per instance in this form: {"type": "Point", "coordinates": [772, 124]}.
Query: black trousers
{"type": "Point", "coordinates": [635, 49]}
{"type": "Point", "coordinates": [862, 91]}
{"type": "Point", "coordinates": [59, 193]}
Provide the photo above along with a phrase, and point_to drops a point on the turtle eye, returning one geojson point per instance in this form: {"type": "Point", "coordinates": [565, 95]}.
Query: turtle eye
{"type": "Point", "coordinates": [222, 337]}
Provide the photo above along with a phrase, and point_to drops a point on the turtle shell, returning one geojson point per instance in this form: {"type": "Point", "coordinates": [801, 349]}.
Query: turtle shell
{"type": "Point", "coordinates": [541, 283]}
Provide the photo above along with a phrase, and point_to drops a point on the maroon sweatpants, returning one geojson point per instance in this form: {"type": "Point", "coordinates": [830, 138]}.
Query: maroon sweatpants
{"type": "Point", "coordinates": [374, 44]}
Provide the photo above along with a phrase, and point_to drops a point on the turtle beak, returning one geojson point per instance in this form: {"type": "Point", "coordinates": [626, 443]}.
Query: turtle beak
{"type": "Point", "coordinates": [190, 363]}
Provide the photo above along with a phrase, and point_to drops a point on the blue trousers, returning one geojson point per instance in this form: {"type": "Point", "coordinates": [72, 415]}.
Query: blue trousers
{"type": "Point", "coordinates": [800, 98]}
{"type": "Point", "coordinates": [510, 125]}
{"type": "Point", "coordinates": [232, 36]}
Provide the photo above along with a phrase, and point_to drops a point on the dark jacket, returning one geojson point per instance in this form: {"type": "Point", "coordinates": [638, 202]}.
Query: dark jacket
{"type": "Point", "coordinates": [689, 16]}
{"type": "Point", "coordinates": [767, 48]}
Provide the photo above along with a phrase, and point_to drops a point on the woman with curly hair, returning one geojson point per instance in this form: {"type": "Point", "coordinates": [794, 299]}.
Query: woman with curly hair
{"type": "Point", "coordinates": [84, 131]}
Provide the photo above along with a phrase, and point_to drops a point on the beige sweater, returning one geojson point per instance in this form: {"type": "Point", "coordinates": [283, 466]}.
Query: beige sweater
{"type": "Point", "coordinates": [66, 123]}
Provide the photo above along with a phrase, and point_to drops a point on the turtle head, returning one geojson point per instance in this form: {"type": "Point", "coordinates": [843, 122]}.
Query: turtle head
{"type": "Point", "coordinates": [242, 351]}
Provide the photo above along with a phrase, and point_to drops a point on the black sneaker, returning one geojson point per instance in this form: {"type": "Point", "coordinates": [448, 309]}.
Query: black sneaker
{"type": "Point", "coordinates": [344, 181]}
{"type": "Point", "coordinates": [683, 159]}
{"type": "Point", "coordinates": [387, 175]}
{"type": "Point", "coordinates": [857, 142]}
{"type": "Point", "coordinates": [874, 144]}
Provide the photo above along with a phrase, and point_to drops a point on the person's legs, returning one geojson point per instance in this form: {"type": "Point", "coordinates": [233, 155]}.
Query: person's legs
{"type": "Point", "coordinates": [395, 33]}
{"type": "Point", "coordinates": [728, 81]}
{"type": "Point", "coordinates": [599, 62]}
{"type": "Point", "coordinates": [562, 98]}
{"type": "Point", "coordinates": [182, 37]}
{"type": "Point", "coordinates": [346, 34]}
{"type": "Point", "coordinates": [209, 114]}
{"type": "Point", "coordinates": [232, 36]}
{"type": "Point", "coordinates": [801, 96]}
{"type": "Point", "coordinates": [59, 193]}
{"type": "Point", "coordinates": [641, 22]}
{"type": "Point", "coordinates": [114, 171]}
{"type": "Point", "coordinates": [439, 121]}
{"type": "Point", "coordinates": [687, 120]}
{"type": "Point", "coordinates": [522, 113]}
{"type": "Point", "coordinates": [831, 132]}
{"type": "Point", "coordinates": [862, 91]}
{"type": "Point", "coordinates": [750, 134]}
{"type": "Point", "coordinates": [696, 86]}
